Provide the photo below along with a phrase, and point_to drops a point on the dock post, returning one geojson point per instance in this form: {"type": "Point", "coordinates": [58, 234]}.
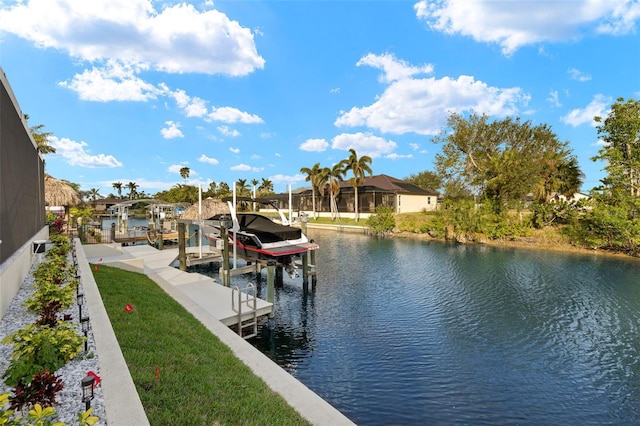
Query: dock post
{"type": "Point", "coordinates": [271, 268]}
{"type": "Point", "coordinates": [182, 252]}
{"type": "Point", "coordinates": [314, 277]}
{"type": "Point", "coordinates": [160, 240]}
{"type": "Point", "coordinates": [113, 232]}
{"type": "Point", "coordinates": [279, 276]}
{"type": "Point", "coordinates": [224, 238]}
{"type": "Point", "coordinates": [305, 271]}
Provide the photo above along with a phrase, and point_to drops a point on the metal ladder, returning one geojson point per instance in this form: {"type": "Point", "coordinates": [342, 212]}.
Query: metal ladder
{"type": "Point", "coordinates": [250, 302]}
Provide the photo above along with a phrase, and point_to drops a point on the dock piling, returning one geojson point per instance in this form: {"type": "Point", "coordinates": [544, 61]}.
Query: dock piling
{"type": "Point", "coordinates": [182, 252]}
{"type": "Point", "coordinates": [271, 268]}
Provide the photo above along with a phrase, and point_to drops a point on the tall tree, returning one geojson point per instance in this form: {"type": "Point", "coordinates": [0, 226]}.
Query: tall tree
{"type": "Point", "coordinates": [312, 177]}
{"type": "Point", "coordinates": [334, 177]}
{"type": "Point", "coordinates": [184, 173]}
{"type": "Point", "coordinates": [254, 184]}
{"type": "Point", "coordinates": [242, 188]}
{"type": "Point", "coordinates": [118, 187]}
{"type": "Point", "coordinates": [620, 132]}
{"type": "Point", "coordinates": [41, 137]}
{"type": "Point", "coordinates": [133, 190]}
{"type": "Point", "coordinates": [360, 167]}
{"type": "Point", "coordinates": [94, 194]}
{"type": "Point", "coordinates": [224, 190]}
{"type": "Point", "coordinates": [425, 180]}
{"type": "Point", "coordinates": [501, 160]}
{"type": "Point", "coordinates": [266, 187]}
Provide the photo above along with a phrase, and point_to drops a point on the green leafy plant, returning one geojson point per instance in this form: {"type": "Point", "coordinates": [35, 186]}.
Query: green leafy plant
{"type": "Point", "coordinates": [39, 348]}
{"type": "Point", "coordinates": [7, 417]}
{"type": "Point", "coordinates": [40, 416]}
{"type": "Point", "coordinates": [54, 271]}
{"type": "Point", "coordinates": [50, 297]}
{"type": "Point", "coordinates": [383, 221]}
{"type": "Point", "coordinates": [86, 419]}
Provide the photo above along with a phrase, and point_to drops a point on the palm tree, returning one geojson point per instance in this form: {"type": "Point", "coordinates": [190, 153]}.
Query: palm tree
{"type": "Point", "coordinates": [184, 172]}
{"type": "Point", "coordinates": [40, 137]}
{"type": "Point", "coordinates": [118, 187]}
{"type": "Point", "coordinates": [320, 181]}
{"type": "Point", "coordinates": [94, 194]}
{"type": "Point", "coordinates": [266, 187]}
{"type": "Point", "coordinates": [334, 176]}
{"type": "Point", "coordinates": [242, 187]}
{"type": "Point", "coordinates": [312, 175]}
{"type": "Point", "coordinates": [359, 168]}
{"type": "Point", "coordinates": [132, 189]}
{"type": "Point", "coordinates": [571, 177]}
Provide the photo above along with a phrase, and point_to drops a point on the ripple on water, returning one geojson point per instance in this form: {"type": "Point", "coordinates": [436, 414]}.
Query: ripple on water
{"type": "Point", "coordinates": [412, 333]}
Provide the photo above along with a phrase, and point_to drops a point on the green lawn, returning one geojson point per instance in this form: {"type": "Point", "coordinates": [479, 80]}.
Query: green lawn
{"type": "Point", "coordinates": [200, 381]}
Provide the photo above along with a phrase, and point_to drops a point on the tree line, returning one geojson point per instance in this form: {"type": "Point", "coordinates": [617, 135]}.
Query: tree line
{"type": "Point", "coordinates": [486, 170]}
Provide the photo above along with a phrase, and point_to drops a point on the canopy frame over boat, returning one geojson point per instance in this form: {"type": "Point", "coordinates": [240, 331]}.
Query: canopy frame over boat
{"type": "Point", "coordinates": [256, 237]}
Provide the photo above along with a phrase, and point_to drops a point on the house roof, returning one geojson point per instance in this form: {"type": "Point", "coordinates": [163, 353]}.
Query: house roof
{"type": "Point", "coordinates": [388, 184]}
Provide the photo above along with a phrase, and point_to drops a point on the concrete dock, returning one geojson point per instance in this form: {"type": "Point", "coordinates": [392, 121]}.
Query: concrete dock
{"type": "Point", "coordinates": [157, 264]}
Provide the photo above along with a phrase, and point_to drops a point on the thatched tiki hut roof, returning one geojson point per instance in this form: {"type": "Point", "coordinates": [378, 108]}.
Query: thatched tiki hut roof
{"type": "Point", "coordinates": [210, 207]}
{"type": "Point", "coordinates": [58, 193]}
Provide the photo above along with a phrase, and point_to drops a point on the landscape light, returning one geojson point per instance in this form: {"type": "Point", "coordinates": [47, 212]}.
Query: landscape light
{"type": "Point", "coordinates": [79, 297]}
{"type": "Point", "coordinates": [87, 391]}
{"type": "Point", "coordinates": [84, 322]}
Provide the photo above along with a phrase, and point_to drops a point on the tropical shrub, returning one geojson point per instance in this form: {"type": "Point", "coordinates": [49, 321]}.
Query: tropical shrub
{"type": "Point", "coordinates": [42, 389]}
{"type": "Point", "coordinates": [383, 221]}
{"type": "Point", "coordinates": [55, 223]}
{"type": "Point", "coordinates": [38, 348]}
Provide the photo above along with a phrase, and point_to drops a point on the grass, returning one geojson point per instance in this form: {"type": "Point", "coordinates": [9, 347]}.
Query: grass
{"type": "Point", "coordinates": [199, 380]}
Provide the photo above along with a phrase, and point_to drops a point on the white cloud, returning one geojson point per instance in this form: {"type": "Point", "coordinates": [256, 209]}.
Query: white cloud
{"type": "Point", "coordinates": [364, 144]}
{"type": "Point", "coordinates": [422, 105]}
{"type": "Point", "coordinates": [233, 115]}
{"type": "Point", "coordinates": [414, 146]}
{"type": "Point", "coordinates": [314, 145]}
{"type": "Point", "coordinates": [191, 106]}
{"type": "Point", "coordinates": [171, 131]}
{"type": "Point", "coordinates": [111, 82]}
{"type": "Point", "coordinates": [394, 69]}
{"type": "Point", "coordinates": [204, 159]}
{"type": "Point", "coordinates": [286, 180]}
{"type": "Point", "coordinates": [227, 131]}
{"type": "Point", "coordinates": [234, 150]}
{"type": "Point", "coordinates": [75, 154]}
{"type": "Point", "coordinates": [513, 24]}
{"type": "Point", "coordinates": [554, 99]}
{"type": "Point", "coordinates": [394, 156]}
{"type": "Point", "coordinates": [197, 107]}
{"type": "Point", "coordinates": [246, 168]}
{"type": "Point", "coordinates": [576, 74]}
{"type": "Point", "coordinates": [176, 39]}
{"type": "Point", "coordinates": [597, 107]}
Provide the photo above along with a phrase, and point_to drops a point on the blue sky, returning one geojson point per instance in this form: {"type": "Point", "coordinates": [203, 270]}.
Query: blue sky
{"type": "Point", "coordinates": [133, 90]}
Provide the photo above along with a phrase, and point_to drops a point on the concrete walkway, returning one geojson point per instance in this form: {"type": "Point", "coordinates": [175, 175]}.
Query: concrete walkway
{"type": "Point", "coordinates": [210, 303]}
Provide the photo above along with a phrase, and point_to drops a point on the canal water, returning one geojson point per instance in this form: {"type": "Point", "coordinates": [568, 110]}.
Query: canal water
{"type": "Point", "coordinates": [402, 332]}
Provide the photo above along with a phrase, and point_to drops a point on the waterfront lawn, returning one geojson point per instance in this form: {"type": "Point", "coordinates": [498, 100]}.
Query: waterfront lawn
{"type": "Point", "coordinates": [199, 381]}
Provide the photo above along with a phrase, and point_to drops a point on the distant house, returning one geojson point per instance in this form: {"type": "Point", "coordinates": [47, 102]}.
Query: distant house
{"type": "Point", "coordinates": [378, 190]}
{"type": "Point", "coordinates": [573, 198]}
